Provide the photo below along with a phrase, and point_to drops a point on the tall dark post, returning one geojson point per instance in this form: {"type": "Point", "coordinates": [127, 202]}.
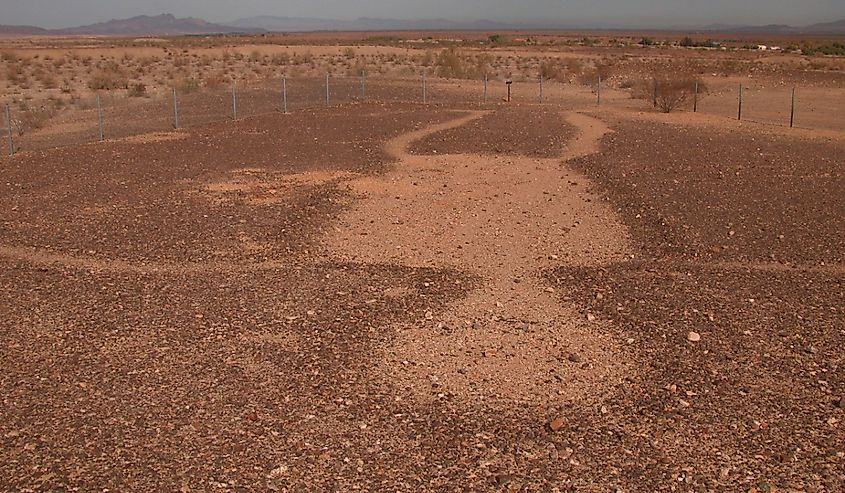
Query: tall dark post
{"type": "Point", "coordinates": [695, 99]}
{"type": "Point", "coordinates": [739, 112]}
{"type": "Point", "coordinates": [792, 111]}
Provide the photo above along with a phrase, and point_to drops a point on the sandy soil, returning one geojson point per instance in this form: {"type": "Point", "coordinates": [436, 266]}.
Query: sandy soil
{"type": "Point", "coordinates": [205, 313]}
{"type": "Point", "coordinates": [503, 219]}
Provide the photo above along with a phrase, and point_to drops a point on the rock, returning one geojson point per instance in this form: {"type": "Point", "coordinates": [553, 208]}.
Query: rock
{"type": "Point", "coordinates": [574, 357]}
{"type": "Point", "coordinates": [278, 472]}
{"type": "Point", "coordinates": [556, 424]}
{"type": "Point", "coordinates": [503, 479]}
{"type": "Point", "coordinates": [591, 317]}
{"type": "Point", "coordinates": [840, 403]}
{"type": "Point", "coordinates": [693, 337]}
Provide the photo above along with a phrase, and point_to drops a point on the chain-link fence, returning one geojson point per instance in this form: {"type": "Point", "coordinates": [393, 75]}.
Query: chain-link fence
{"type": "Point", "coordinates": [113, 115]}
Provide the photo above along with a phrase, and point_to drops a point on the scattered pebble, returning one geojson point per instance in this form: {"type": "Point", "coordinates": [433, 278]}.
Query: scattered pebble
{"type": "Point", "coordinates": [693, 337]}
{"type": "Point", "coordinates": [556, 424]}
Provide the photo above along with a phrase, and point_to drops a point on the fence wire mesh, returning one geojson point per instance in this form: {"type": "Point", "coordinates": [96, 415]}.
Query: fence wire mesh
{"type": "Point", "coordinates": [50, 124]}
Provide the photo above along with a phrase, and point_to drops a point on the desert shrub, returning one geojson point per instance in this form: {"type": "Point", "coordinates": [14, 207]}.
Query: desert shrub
{"type": "Point", "coordinates": [46, 78]}
{"type": "Point", "coordinates": [187, 85]}
{"type": "Point", "coordinates": [550, 70]}
{"type": "Point", "coordinates": [349, 52]}
{"type": "Point", "coordinates": [280, 59]}
{"type": "Point", "coordinates": [15, 74]}
{"type": "Point", "coordinates": [138, 90]}
{"type": "Point", "coordinates": [573, 66]}
{"type": "Point", "coordinates": [452, 65]}
{"type": "Point", "coordinates": [9, 56]}
{"type": "Point", "coordinates": [646, 42]}
{"type": "Point", "coordinates": [601, 69]}
{"type": "Point", "coordinates": [669, 91]}
{"type": "Point", "coordinates": [30, 118]}
{"type": "Point", "coordinates": [214, 81]}
{"type": "Point", "coordinates": [109, 77]}
{"type": "Point", "coordinates": [427, 59]}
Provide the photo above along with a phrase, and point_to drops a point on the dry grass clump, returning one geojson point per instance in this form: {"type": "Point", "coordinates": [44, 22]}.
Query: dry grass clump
{"type": "Point", "coordinates": [138, 90]}
{"type": "Point", "coordinates": [451, 64]}
{"type": "Point", "coordinates": [30, 118]}
{"type": "Point", "coordinates": [187, 85]}
{"type": "Point", "coordinates": [109, 77]}
{"type": "Point", "coordinates": [669, 92]}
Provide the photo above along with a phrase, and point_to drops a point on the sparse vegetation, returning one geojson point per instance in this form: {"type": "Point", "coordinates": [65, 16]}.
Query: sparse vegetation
{"type": "Point", "coordinates": [108, 78]}
{"type": "Point", "coordinates": [669, 91]}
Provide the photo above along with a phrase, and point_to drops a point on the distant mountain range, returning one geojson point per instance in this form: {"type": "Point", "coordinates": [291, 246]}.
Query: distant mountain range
{"type": "Point", "coordinates": [167, 24]}
{"type": "Point", "coordinates": [836, 27]}
{"type": "Point", "coordinates": [304, 24]}
{"type": "Point", "coordinates": [142, 25]}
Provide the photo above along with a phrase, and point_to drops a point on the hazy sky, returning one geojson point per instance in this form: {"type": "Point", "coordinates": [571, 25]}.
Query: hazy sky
{"type": "Point", "coordinates": [67, 13]}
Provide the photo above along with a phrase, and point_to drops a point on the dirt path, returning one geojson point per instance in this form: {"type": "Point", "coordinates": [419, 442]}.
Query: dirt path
{"type": "Point", "coordinates": [507, 219]}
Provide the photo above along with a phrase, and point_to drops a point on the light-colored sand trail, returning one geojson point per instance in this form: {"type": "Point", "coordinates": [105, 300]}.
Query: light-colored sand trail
{"type": "Point", "coordinates": [506, 219]}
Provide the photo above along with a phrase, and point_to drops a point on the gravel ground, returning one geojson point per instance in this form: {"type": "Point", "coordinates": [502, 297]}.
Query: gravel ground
{"type": "Point", "coordinates": [170, 321]}
{"type": "Point", "coordinates": [740, 240]}
{"type": "Point", "coordinates": [526, 130]}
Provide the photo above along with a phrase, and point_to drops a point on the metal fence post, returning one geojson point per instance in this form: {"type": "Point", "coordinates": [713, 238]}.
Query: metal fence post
{"type": "Point", "coordinates": [100, 119]}
{"type": "Point", "coordinates": [424, 88]}
{"type": "Point", "coordinates": [792, 110]}
{"type": "Point", "coordinates": [285, 94]}
{"type": "Point", "coordinates": [695, 99]}
{"type": "Point", "coordinates": [739, 112]}
{"type": "Point", "coordinates": [234, 101]}
{"type": "Point", "coordinates": [328, 98]}
{"type": "Point", "coordinates": [9, 125]}
{"type": "Point", "coordinates": [175, 110]}
{"type": "Point", "coordinates": [363, 85]}
{"type": "Point", "coordinates": [485, 88]}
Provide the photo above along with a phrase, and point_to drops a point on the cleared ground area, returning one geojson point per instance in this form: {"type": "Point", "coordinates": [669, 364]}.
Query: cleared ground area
{"type": "Point", "coordinates": [424, 298]}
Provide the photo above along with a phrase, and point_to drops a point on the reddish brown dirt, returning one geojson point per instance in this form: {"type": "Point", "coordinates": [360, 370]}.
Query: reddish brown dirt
{"type": "Point", "coordinates": [503, 218]}
{"type": "Point", "coordinates": [195, 314]}
{"type": "Point", "coordinates": [533, 131]}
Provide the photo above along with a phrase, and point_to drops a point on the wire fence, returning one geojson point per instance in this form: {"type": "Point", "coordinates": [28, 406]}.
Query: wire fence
{"type": "Point", "coordinates": [113, 115]}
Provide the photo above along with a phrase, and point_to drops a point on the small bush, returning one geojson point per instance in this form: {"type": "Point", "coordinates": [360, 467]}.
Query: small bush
{"type": "Point", "coordinates": [29, 119]}
{"type": "Point", "coordinates": [280, 59]}
{"type": "Point", "coordinates": [108, 78]}
{"type": "Point", "coordinates": [214, 81]}
{"type": "Point", "coordinates": [452, 65]}
{"type": "Point", "coordinates": [669, 92]}
{"type": "Point", "coordinates": [187, 86]}
{"type": "Point", "coordinates": [551, 70]}
{"type": "Point", "coordinates": [138, 90]}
